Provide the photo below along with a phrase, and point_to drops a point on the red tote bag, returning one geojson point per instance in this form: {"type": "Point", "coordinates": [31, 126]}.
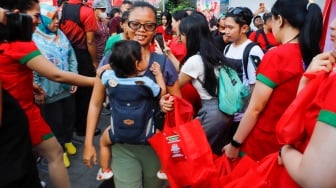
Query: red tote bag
{"type": "Point", "coordinates": [183, 148]}
{"type": "Point", "coordinates": [290, 127]}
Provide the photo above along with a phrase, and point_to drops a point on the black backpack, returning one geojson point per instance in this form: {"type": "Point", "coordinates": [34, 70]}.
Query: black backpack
{"type": "Point", "coordinates": [246, 55]}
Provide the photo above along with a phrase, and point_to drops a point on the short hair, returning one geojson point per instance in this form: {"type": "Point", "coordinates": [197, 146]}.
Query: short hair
{"type": "Point", "coordinates": [267, 16]}
{"type": "Point", "coordinates": [257, 16]}
{"type": "Point", "coordinates": [241, 15]}
{"type": "Point", "coordinates": [143, 4]}
{"type": "Point", "coordinates": [127, 2]}
{"type": "Point", "coordinates": [125, 54]}
{"type": "Point", "coordinates": [178, 15]}
{"type": "Point", "coordinates": [124, 16]}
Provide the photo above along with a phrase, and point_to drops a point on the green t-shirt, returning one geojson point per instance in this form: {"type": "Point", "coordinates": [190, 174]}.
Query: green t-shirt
{"type": "Point", "coordinates": [111, 41]}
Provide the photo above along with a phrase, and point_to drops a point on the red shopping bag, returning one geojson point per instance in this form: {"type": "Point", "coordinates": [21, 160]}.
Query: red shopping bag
{"type": "Point", "coordinates": [183, 148]}
{"type": "Point", "coordinates": [266, 173]}
{"type": "Point", "coordinates": [290, 127]}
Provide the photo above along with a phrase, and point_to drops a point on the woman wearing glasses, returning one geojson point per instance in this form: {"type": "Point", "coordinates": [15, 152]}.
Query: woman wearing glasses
{"type": "Point", "coordinates": [297, 26]}
{"type": "Point", "coordinates": [133, 165]}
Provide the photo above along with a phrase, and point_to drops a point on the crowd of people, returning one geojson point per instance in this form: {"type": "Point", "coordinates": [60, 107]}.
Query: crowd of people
{"type": "Point", "coordinates": [82, 58]}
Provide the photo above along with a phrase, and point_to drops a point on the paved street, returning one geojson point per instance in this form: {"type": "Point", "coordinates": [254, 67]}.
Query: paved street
{"type": "Point", "coordinates": [80, 175]}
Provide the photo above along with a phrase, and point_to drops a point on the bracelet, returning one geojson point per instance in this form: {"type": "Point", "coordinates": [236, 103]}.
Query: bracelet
{"type": "Point", "coordinates": [235, 143]}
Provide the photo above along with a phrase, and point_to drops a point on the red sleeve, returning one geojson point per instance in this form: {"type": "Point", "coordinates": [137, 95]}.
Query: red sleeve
{"type": "Point", "coordinates": [278, 66]}
{"type": "Point", "coordinates": [88, 18]}
{"type": "Point", "coordinates": [327, 96]}
{"type": "Point", "coordinates": [22, 51]}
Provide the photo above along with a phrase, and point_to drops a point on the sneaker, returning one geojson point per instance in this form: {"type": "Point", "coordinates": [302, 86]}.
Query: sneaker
{"type": "Point", "coordinates": [104, 175]}
{"type": "Point", "coordinates": [43, 184]}
{"type": "Point", "coordinates": [66, 160]}
{"type": "Point", "coordinates": [161, 175]}
{"type": "Point", "coordinates": [70, 148]}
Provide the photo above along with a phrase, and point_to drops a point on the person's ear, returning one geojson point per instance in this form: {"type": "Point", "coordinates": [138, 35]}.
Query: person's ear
{"type": "Point", "coordinates": [245, 28]}
{"type": "Point", "coordinates": [279, 21]}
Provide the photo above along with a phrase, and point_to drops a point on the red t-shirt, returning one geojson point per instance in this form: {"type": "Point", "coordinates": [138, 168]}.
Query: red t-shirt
{"type": "Point", "coordinates": [281, 71]}
{"type": "Point", "coordinates": [75, 33]}
{"type": "Point", "coordinates": [177, 48]}
{"type": "Point", "coordinates": [323, 108]}
{"type": "Point", "coordinates": [270, 37]}
{"type": "Point", "coordinates": [17, 79]}
{"type": "Point", "coordinates": [166, 36]}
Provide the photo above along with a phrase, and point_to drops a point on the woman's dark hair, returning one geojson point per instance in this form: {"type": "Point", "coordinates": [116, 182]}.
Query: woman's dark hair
{"type": "Point", "coordinates": [241, 15]}
{"type": "Point", "coordinates": [114, 11]}
{"type": "Point", "coordinates": [169, 21]}
{"type": "Point", "coordinates": [123, 58]}
{"type": "Point", "coordinates": [143, 4]}
{"type": "Point", "coordinates": [124, 16]}
{"type": "Point", "coordinates": [21, 5]}
{"type": "Point", "coordinates": [307, 18]}
{"type": "Point", "coordinates": [178, 15]}
{"type": "Point", "coordinates": [198, 40]}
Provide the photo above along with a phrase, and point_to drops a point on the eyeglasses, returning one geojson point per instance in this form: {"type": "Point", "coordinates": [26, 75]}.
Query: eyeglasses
{"type": "Point", "coordinates": [136, 25]}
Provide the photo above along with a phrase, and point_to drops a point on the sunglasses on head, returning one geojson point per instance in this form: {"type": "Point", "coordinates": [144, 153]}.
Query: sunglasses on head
{"type": "Point", "coordinates": [236, 11]}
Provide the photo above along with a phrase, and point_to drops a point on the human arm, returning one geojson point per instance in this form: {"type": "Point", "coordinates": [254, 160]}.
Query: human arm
{"type": "Point", "coordinates": [96, 101]}
{"type": "Point", "coordinates": [322, 62]}
{"type": "Point", "coordinates": [172, 58]}
{"type": "Point", "coordinates": [156, 70]}
{"type": "Point", "coordinates": [44, 67]}
{"type": "Point", "coordinates": [91, 44]}
{"type": "Point", "coordinates": [260, 96]}
{"type": "Point", "coordinates": [315, 167]}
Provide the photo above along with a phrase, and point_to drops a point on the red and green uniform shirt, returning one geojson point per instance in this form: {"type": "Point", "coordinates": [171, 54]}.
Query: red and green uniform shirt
{"type": "Point", "coordinates": [281, 71]}
{"type": "Point", "coordinates": [17, 79]}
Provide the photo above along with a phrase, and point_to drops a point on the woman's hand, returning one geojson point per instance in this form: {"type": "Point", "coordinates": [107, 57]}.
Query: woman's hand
{"type": "Point", "coordinates": [322, 62]}
{"type": "Point", "coordinates": [73, 89]}
{"type": "Point", "coordinates": [167, 103]}
{"type": "Point", "coordinates": [89, 154]}
{"type": "Point", "coordinates": [39, 94]}
{"type": "Point", "coordinates": [231, 152]}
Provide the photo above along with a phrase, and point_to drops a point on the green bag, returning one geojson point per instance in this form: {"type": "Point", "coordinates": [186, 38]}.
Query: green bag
{"type": "Point", "coordinates": [232, 93]}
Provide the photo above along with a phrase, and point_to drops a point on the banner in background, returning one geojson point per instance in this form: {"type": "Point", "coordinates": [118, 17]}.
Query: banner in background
{"type": "Point", "coordinates": [212, 8]}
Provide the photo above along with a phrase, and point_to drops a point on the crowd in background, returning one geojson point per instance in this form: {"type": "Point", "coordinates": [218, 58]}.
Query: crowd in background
{"type": "Point", "coordinates": [57, 84]}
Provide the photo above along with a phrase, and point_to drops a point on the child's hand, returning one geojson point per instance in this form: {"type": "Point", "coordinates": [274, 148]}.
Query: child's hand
{"type": "Point", "coordinates": [156, 69]}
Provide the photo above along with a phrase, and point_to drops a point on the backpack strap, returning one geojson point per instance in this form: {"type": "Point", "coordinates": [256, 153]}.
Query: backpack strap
{"type": "Point", "coordinates": [227, 47]}
{"type": "Point", "coordinates": [246, 55]}
{"type": "Point", "coordinates": [71, 12]}
{"type": "Point", "coordinates": [256, 36]}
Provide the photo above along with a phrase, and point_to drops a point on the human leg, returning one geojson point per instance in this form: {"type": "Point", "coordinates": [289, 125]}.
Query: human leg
{"type": "Point", "coordinates": [126, 167]}
{"type": "Point", "coordinates": [53, 115]}
{"type": "Point", "coordinates": [83, 94]}
{"type": "Point", "coordinates": [105, 149]}
{"type": "Point", "coordinates": [150, 166]}
{"type": "Point", "coordinates": [105, 155]}
{"type": "Point", "coordinates": [53, 152]}
{"type": "Point", "coordinates": [68, 124]}
{"type": "Point", "coordinates": [216, 125]}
